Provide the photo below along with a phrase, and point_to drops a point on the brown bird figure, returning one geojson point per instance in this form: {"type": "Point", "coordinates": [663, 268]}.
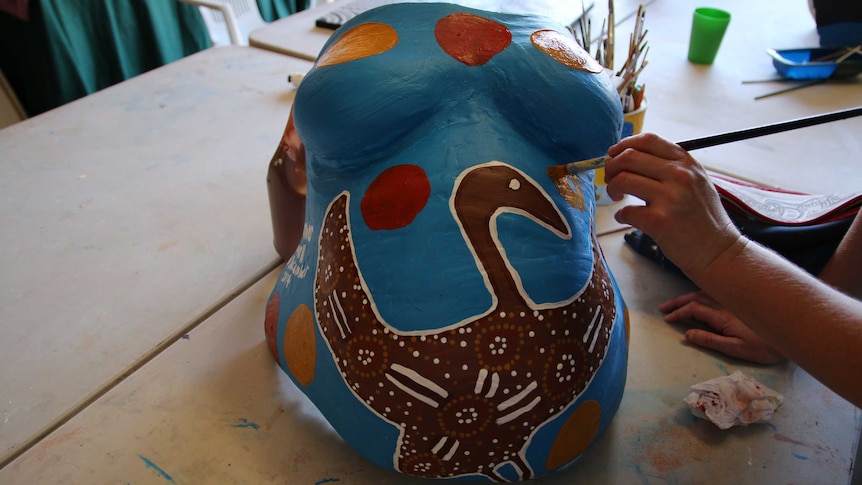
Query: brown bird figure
{"type": "Point", "coordinates": [469, 397]}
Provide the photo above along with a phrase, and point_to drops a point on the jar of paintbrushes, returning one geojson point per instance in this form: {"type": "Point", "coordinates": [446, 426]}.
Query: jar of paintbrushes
{"type": "Point", "coordinates": [632, 93]}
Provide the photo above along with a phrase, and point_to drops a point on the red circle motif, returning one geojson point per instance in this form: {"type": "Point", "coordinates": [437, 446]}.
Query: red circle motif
{"type": "Point", "coordinates": [395, 197]}
{"type": "Point", "coordinates": [471, 39]}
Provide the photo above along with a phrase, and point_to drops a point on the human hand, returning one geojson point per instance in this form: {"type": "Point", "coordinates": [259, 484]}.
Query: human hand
{"type": "Point", "coordinates": [734, 338]}
{"type": "Point", "coordinates": [683, 213]}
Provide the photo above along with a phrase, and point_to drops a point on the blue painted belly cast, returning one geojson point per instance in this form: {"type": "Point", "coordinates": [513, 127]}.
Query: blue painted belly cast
{"type": "Point", "coordinates": [445, 303]}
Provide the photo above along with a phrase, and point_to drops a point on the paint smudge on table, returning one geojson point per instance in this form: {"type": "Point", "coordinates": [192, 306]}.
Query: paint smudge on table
{"type": "Point", "coordinates": [722, 368]}
{"type": "Point", "coordinates": [41, 451]}
{"type": "Point", "coordinates": [152, 466]}
{"type": "Point", "coordinates": [665, 443]}
{"type": "Point", "coordinates": [327, 480]}
{"type": "Point", "coordinates": [787, 439]}
{"type": "Point", "coordinates": [302, 457]}
{"type": "Point", "coordinates": [245, 423]}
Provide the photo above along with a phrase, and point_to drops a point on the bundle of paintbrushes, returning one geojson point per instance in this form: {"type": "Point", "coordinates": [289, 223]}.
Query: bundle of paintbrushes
{"type": "Point", "coordinates": [631, 93]}
{"type": "Point", "coordinates": [581, 30]}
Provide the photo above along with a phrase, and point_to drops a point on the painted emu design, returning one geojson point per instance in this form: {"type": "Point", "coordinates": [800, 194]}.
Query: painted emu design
{"type": "Point", "coordinates": [501, 374]}
{"type": "Point", "coordinates": [500, 355]}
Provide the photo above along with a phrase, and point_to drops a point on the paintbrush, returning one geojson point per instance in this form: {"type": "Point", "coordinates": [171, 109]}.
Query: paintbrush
{"type": "Point", "coordinates": [558, 171]}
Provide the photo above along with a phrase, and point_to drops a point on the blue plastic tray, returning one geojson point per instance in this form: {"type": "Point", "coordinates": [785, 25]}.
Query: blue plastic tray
{"type": "Point", "coordinates": [798, 63]}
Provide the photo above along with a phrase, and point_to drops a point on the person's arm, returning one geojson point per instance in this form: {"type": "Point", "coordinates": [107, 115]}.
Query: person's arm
{"type": "Point", "coordinates": [733, 337]}
{"type": "Point", "coordinates": [844, 269]}
{"type": "Point", "coordinates": [729, 334]}
{"type": "Point", "coordinates": [808, 321]}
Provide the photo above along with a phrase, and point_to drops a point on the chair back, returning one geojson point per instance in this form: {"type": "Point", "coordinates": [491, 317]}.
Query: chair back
{"type": "Point", "coordinates": [230, 21]}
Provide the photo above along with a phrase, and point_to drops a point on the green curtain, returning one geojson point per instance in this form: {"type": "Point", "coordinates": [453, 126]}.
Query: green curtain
{"type": "Point", "coordinates": [69, 49]}
{"type": "Point", "coordinates": [275, 9]}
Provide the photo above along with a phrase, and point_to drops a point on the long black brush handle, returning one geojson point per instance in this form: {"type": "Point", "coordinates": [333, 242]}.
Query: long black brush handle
{"type": "Point", "coordinates": [557, 171]}
{"type": "Point", "coordinates": [733, 136]}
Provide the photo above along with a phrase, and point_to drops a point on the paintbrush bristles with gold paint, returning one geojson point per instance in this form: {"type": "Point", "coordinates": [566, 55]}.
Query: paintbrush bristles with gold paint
{"type": "Point", "coordinates": [575, 168]}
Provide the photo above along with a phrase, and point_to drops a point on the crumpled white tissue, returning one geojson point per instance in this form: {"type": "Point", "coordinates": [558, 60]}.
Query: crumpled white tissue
{"type": "Point", "coordinates": [733, 400]}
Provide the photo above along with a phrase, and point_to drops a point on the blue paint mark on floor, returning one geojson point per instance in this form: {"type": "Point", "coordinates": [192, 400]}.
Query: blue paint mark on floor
{"type": "Point", "coordinates": [801, 457]}
{"type": "Point", "coordinates": [641, 474]}
{"type": "Point", "coordinates": [244, 423]}
{"type": "Point", "coordinates": [152, 466]}
{"type": "Point", "coordinates": [327, 480]}
{"type": "Point", "coordinates": [722, 368]}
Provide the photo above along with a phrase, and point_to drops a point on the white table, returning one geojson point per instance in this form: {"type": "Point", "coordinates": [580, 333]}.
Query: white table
{"type": "Point", "coordinates": [297, 35]}
{"type": "Point", "coordinates": [129, 216]}
{"type": "Point", "coordinates": [688, 100]}
{"type": "Point", "coordinates": [214, 408]}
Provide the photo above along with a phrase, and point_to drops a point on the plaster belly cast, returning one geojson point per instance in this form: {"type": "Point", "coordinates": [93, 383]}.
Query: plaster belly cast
{"type": "Point", "coordinates": [445, 303]}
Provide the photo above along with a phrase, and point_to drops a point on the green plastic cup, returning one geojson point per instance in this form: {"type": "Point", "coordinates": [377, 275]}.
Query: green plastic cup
{"type": "Point", "coordinates": [707, 29]}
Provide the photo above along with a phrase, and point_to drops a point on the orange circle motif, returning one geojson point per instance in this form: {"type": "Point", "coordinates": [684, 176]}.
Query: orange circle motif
{"type": "Point", "coordinates": [577, 433]}
{"type": "Point", "coordinates": [564, 50]}
{"type": "Point", "coordinates": [364, 40]}
{"type": "Point", "coordinates": [300, 342]}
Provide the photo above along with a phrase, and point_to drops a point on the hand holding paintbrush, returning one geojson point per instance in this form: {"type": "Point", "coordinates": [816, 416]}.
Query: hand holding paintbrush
{"type": "Point", "coordinates": [744, 281]}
